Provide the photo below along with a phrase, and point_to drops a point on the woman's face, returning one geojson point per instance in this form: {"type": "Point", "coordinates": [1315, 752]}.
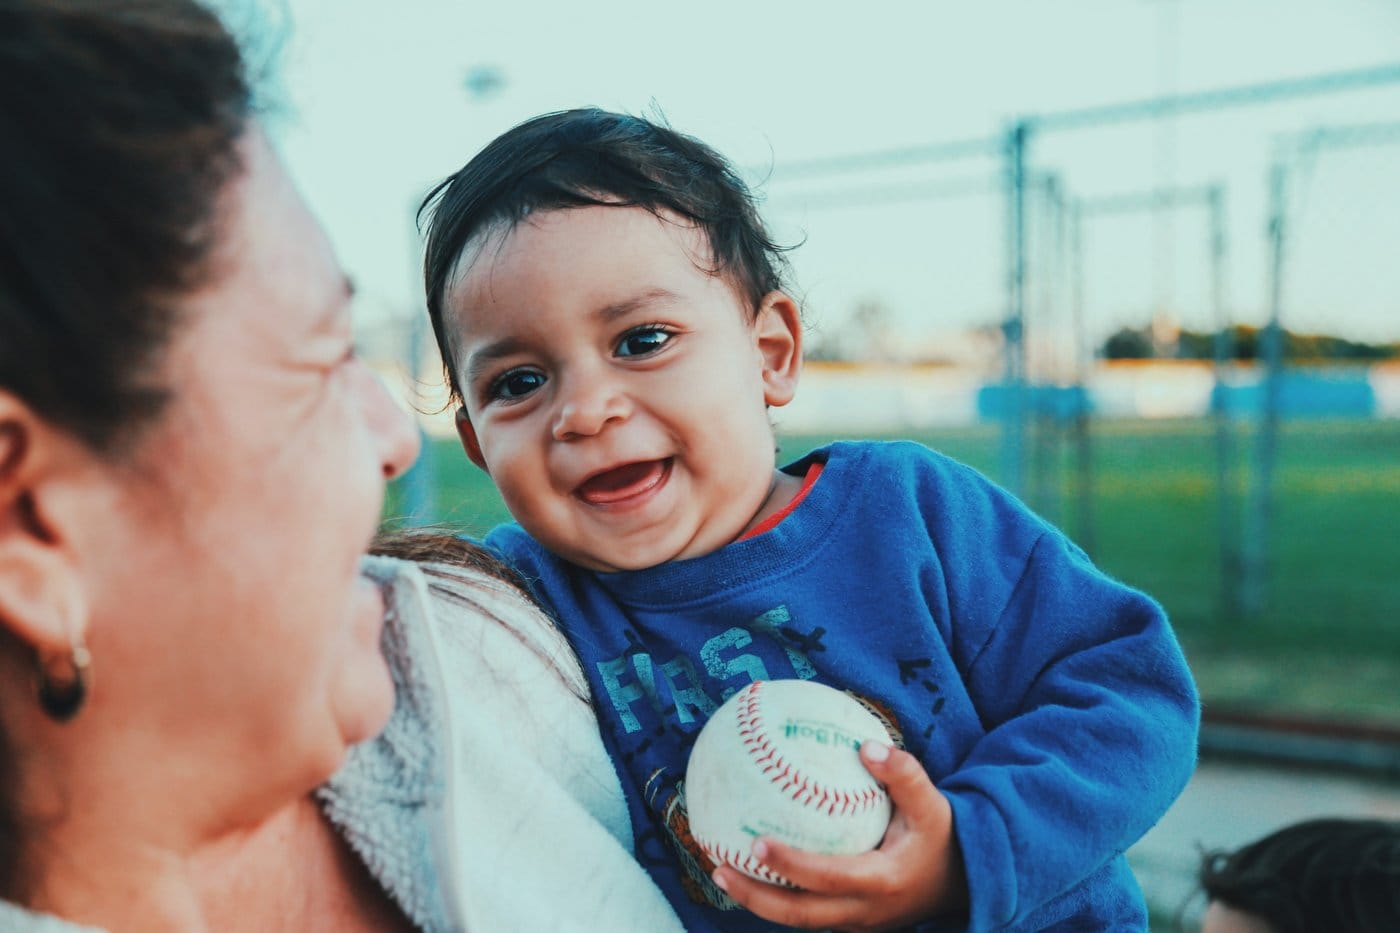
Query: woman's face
{"type": "Point", "coordinates": [228, 626]}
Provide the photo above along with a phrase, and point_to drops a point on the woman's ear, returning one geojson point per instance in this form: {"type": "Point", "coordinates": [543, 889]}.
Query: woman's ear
{"type": "Point", "coordinates": [778, 334]}
{"type": "Point", "coordinates": [42, 598]}
{"type": "Point", "coordinates": [470, 444]}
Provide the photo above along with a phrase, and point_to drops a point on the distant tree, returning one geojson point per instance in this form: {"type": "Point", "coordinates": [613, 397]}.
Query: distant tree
{"type": "Point", "coordinates": [1128, 343]}
{"type": "Point", "coordinates": [1136, 344]}
{"type": "Point", "coordinates": [821, 345]}
{"type": "Point", "coordinates": [1194, 345]}
{"type": "Point", "coordinates": [1200, 345]}
{"type": "Point", "coordinates": [1246, 342]}
{"type": "Point", "coordinates": [872, 326]}
{"type": "Point", "coordinates": [1326, 347]}
{"type": "Point", "coordinates": [869, 333]}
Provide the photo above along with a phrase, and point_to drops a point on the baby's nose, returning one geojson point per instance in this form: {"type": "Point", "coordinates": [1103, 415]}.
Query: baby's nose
{"type": "Point", "coordinates": [585, 409]}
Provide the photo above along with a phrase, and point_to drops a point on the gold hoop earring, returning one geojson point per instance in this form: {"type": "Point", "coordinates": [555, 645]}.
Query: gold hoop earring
{"type": "Point", "coordinates": [62, 698]}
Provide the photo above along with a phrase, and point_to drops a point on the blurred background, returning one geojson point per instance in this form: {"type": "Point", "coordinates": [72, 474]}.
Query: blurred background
{"type": "Point", "coordinates": [1134, 259]}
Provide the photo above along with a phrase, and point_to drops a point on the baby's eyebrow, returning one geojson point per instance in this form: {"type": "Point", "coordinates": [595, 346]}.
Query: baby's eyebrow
{"type": "Point", "coordinates": [482, 358]}
{"type": "Point", "coordinates": [611, 312]}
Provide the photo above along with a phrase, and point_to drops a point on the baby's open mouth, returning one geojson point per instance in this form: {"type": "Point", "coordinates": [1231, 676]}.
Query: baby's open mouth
{"type": "Point", "coordinates": [624, 482]}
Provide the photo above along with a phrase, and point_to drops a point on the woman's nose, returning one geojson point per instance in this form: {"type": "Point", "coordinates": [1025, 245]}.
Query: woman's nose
{"type": "Point", "coordinates": [394, 431]}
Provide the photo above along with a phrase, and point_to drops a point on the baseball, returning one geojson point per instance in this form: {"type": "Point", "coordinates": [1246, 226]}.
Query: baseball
{"type": "Point", "coordinates": [780, 759]}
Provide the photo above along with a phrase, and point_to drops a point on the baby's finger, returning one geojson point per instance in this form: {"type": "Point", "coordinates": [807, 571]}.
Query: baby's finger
{"type": "Point", "coordinates": [789, 907]}
{"type": "Point", "coordinates": [832, 875]}
{"type": "Point", "coordinates": [910, 788]}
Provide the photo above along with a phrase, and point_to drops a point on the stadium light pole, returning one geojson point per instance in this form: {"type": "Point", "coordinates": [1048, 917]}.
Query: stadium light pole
{"type": "Point", "coordinates": [420, 482]}
{"type": "Point", "coordinates": [1014, 326]}
{"type": "Point", "coordinates": [1083, 441]}
{"type": "Point", "coordinates": [1227, 518]}
{"type": "Point", "coordinates": [1044, 480]}
{"type": "Point", "coordinates": [1212, 199]}
{"type": "Point", "coordinates": [1297, 152]}
{"type": "Point", "coordinates": [480, 82]}
{"type": "Point", "coordinates": [1260, 519]}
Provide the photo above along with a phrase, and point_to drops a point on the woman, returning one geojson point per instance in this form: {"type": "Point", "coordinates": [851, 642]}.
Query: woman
{"type": "Point", "coordinates": [191, 465]}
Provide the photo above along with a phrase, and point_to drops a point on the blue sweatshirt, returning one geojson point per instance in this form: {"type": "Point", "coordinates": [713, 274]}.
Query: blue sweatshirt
{"type": "Point", "coordinates": [1050, 703]}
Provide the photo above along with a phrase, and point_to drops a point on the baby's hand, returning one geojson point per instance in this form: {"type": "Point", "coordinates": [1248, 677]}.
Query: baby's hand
{"type": "Point", "coordinates": [916, 872]}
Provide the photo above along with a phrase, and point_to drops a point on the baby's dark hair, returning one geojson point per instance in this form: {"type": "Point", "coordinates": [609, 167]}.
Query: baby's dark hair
{"type": "Point", "coordinates": [1327, 874]}
{"type": "Point", "coordinates": [587, 157]}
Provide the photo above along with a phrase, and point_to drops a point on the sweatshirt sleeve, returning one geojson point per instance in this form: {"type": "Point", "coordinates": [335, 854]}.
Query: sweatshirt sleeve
{"type": "Point", "coordinates": [1091, 718]}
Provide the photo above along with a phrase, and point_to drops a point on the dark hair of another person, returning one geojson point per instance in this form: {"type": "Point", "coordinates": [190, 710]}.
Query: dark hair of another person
{"type": "Point", "coordinates": [588, 157]}
{"type": "Point", "coordinates": [1319, 875]}
{"type": "Point", "coordinates": [119, 125]}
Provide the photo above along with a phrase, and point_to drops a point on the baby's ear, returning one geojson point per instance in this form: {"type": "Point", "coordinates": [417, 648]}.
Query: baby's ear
{"type": "Point", "coordinates": [778, 335]}
{"type": "Point", "coordinates": [469, 442]}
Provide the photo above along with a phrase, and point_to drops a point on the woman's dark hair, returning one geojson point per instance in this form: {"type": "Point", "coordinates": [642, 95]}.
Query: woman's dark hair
{"type": "Point", "coordinates": [581, 158]}
{"type": "Point", "coordinates": [445, 546]}
{"type": "Point", "coordinates": [1329, 874]}
{"type": "Point", "coordinates": [434, 548]}
{"type": "Point", "coordinates": [119, 125]}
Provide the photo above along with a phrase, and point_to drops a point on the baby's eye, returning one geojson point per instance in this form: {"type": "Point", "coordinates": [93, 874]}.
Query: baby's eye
{"type": "Point", "coordinates": [514, 384]}
{"type": "Point", "coordinates": [643, 340]}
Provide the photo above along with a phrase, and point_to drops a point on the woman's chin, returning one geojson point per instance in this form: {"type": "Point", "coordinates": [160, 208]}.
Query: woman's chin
{"type": "Point", "coordinates": [361, 698]}
{"type": "Point", "coordinates": [364, 690]}
{"type": "Point", "coordinates": [364, 700]}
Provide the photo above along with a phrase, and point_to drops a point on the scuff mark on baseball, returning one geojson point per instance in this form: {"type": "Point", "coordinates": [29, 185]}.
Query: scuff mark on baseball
{"type": "Point", "coordinates": [781, 759]}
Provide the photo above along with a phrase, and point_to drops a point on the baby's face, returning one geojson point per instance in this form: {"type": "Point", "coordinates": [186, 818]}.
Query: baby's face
{"type": "Point", "coordinates": [616, 391]}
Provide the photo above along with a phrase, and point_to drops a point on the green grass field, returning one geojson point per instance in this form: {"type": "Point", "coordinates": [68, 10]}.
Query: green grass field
{"type": "Point", "coordinates": [1328, 643]}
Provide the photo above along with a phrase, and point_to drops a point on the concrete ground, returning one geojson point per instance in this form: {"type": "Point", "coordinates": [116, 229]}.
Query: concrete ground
{"type": "Point", "coordinates": [1227, 804]}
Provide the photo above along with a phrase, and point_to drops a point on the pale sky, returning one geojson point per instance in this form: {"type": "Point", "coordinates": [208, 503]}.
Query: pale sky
{"type": "Point", "coordinates": [378, 112]}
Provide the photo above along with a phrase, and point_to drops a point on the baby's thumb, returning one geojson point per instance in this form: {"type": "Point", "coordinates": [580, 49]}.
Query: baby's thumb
{"type": "Point", "coordinates": [908, 784]}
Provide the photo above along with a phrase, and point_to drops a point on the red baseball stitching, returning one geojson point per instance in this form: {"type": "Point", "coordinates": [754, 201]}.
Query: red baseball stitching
{"type": "Point", "coordinates": [744, 862]}
{"type": "Point", "coordinates": [797, 785]}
